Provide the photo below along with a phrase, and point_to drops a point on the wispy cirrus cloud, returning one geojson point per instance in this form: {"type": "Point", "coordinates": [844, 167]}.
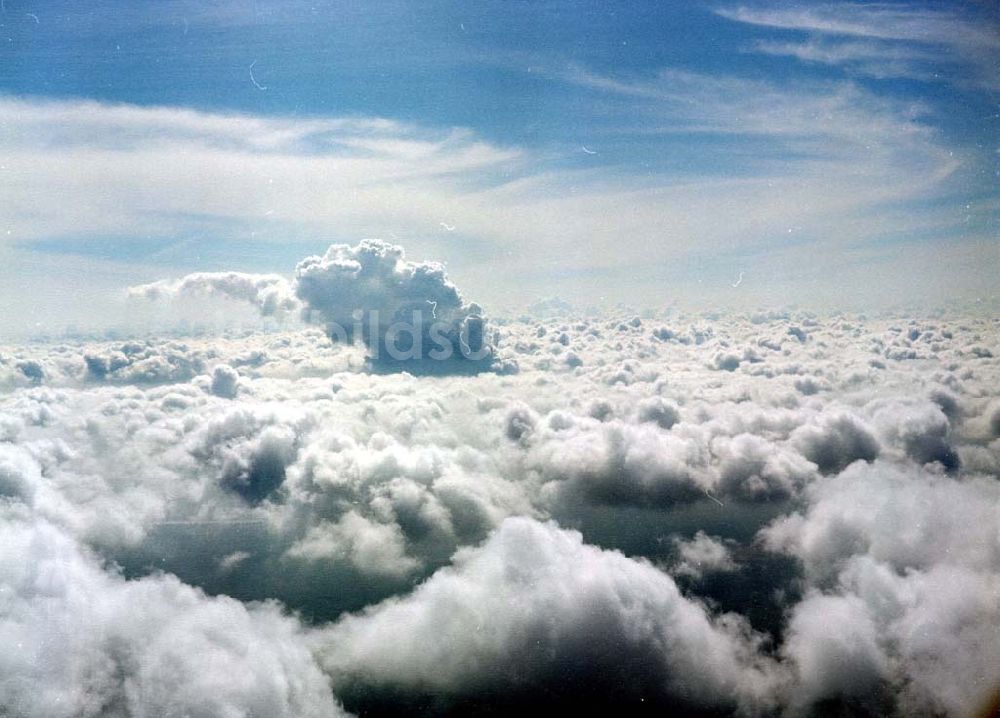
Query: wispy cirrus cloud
{"type": "Point", "coordinates": [128, 169]}
{"type": "Point", "coordinates": [876, 20]}
{"type": "Point", "coordinates": [810, 166]}
{"type": "Point", "coordinates": [885, 41]}
{"type": "Point", "coordinates": [156, 171]}
{"type": "Point", "coordinates": [867, 58]}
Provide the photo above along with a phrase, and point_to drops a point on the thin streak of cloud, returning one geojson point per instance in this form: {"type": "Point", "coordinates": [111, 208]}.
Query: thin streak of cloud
{"type": "Point", "coordinates": [883, 41]}
{"type": "Point", "coordinates": [871, 59]}
{"type": "Point", "coordinates": [831, 163]}
{"type": "Point", "coordinates": [876, 21]}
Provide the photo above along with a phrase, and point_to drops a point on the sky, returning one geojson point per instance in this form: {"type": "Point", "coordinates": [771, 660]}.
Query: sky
{"type": "Point", "coordinates": [713, 154]}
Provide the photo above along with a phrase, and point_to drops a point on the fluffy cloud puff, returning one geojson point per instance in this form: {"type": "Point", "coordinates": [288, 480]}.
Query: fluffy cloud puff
{"type": "Point", "coordinates": [702, 554]}
{"type": "Point", "coordinates": [895, 515]}
{"type": "Point", "coordinates": [81, 641]}
{"type": "Point", "coordinates": [904, 570]}
{"type": "Point", "coordinates": [555, 621]}
{"type": "Point", "coordinates": [225, 381]}
{"type": "Point", "coordinates": [835, 440]}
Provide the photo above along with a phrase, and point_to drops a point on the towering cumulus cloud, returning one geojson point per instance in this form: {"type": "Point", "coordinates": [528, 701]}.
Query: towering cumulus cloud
{"type": "Point", "coordinates": [407, 314]}
{"type": "Point", "coordinates": [404, 312]}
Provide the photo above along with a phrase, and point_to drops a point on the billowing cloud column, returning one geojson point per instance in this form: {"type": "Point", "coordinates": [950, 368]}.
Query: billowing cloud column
{"type": "Point", "coordinates": [408, 314]}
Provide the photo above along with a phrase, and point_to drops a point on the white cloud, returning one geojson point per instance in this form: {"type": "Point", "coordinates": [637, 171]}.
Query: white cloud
{"type": "Point", "coordinates": [834, 645]}
{"type": "Point", "coordinates": [84, 642]}
{"type": "Point", "coordinates": [702, 554]}
{"type": "Point", "coordinates": [833, 441]}
{"type": "Point", "coordinates": [896, 515]}
{"type": "Point", "coordinates": [880, 21]}
{"type": "Point", "coordinates": [371, 547]}
{"type": "Point", "coordinates": [225, 381]}
{"type": "Point", "coordinates": [885, 40]}
{"type": "Point", "coordinates": [872, 59]}
{"type": "Point", "coordinates": [270, 293]}
{"type": "Point", "coordinates": [259, 170]}
{"type": "Point", "coordinates": [534, 604]}
{"type": "Point", "coordinates": [903, 569]}
{"type": "Point", "coordinates": [407, 314]}
{"type": "Point", "coordinates": [332, 488]}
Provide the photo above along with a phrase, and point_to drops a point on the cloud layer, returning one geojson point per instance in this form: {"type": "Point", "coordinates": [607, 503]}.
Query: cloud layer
{"type": "Point", "coordinates": [260, 523]}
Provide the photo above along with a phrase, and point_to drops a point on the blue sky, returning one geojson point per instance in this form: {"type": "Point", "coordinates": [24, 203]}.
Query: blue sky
{"type": "Point", "coordinates": [638, 152]}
